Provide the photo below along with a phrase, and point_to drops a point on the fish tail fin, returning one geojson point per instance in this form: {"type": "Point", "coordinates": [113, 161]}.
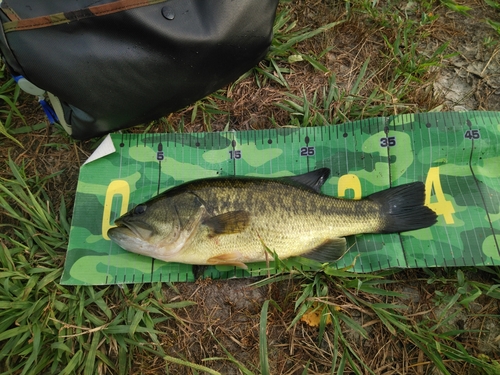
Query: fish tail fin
{"type": "Point", "coordinates": [402, 208]}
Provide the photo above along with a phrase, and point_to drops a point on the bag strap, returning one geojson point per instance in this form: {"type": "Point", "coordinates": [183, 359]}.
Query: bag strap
{"type": "Point", "coordinates": [16, 23]}
{"type": "Point", "coordinates": [10, 13]}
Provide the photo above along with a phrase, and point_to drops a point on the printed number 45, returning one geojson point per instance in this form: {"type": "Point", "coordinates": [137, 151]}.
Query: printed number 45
{"type": "Point", "coordinates": [472, 134]}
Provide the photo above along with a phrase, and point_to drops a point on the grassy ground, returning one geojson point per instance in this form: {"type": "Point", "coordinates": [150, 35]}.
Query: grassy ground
{"type": "Point", "coordinates": [330, 62]}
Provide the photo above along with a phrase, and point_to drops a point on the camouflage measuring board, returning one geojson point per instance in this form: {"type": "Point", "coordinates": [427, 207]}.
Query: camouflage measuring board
{"type": "Point", "coordinates": [457, 155]}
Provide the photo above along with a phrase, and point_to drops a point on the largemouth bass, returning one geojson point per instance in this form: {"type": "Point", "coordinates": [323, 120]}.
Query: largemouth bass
{"type": "Point", "coordinates": [231, 221]}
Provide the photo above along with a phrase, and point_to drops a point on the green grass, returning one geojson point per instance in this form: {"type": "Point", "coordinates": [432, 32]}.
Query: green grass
{"type": "Point", "coordinates": [377, 88]}
{"type": "Point", "coordinates": [283, 51]}
{"type": "Point", "coordinates": [86, 330]}
{"type": "Point", "coordinates": [336, 105]}
{"type": "Point", "coordinates": [9, 93]}
{"type": "Point", "coordinates": [369, 293]}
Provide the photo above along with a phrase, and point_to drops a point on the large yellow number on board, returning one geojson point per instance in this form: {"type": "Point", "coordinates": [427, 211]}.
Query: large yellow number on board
{"type": "Point", "coordinates": [349, 181]}
{"type": "Point", "coordinates": [118, 187]}
{"type": "Point", "coordinates": [441, 206]}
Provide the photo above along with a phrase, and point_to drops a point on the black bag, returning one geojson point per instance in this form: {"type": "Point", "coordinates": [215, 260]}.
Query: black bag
{"type": "Point", "coordinates": [110, 64]}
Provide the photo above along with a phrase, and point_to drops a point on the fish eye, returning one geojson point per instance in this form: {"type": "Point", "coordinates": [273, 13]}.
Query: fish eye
{"type": "Point", "coordinates": [139, 210]}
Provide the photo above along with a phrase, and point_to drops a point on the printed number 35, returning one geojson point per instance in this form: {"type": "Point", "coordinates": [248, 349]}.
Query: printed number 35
{"type": "Point", "coordinates": [388, 142]}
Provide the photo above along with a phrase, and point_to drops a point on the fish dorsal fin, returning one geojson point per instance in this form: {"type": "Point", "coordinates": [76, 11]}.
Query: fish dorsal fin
{"type": "Point", "coordinates": [313, 180]}
{"type": "Point", "coordinates": [330, 251]}
{"type": "Point", "coordinates": [228, 223]}
{"type": "Point", "coordinates": [229, 259]}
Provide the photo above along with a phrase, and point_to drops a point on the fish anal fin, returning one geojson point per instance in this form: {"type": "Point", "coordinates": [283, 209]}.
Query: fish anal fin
{"type": "Point", "coordinates": [329, 251]}
{"type": "Point", "coordinates": [229, 259]}
{"type": "Point", "coordinates": [228, 223]}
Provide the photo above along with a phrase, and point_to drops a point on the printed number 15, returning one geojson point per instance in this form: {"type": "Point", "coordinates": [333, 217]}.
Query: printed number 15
{"type": "Point", "coordinates": [234, 154]}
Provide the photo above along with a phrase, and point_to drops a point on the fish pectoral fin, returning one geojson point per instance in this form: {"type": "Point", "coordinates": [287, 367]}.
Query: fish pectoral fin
{"type": "Point", "coordinates": [228, 223]}
{"type": "Point", "coordinates": [330, 251]}
{"type": "Point", "coordinates": [229, 259]}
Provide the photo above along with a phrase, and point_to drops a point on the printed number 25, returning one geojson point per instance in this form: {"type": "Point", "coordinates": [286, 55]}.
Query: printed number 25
{"type": "Point", "coordinates": [307, 151]}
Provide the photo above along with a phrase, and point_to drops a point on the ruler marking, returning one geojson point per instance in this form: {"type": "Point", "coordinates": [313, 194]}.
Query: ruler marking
{"type": "Point", "coordinates": [159, 157]}
{"type": "Point", "coordinates": [467, 239]}
{"type": "Point", "coordinates": [346, 153]}
{"type": "Point", "coordinates": [453, 125]}
{"type": "Point", "coordinates": [386, 131]}
{"type": "Point", "coordinates": [434, 127]}
{"type": "Point", "coordinates": [429, 132]}
{"type": "Point", "coordinates": [388, 149]}
{"type": "Point", "coordinates": [233, 145]}
{"type": "Point", "coordinates": [469, 124]}
{"type": "Point", "coordinates": [306, 141]}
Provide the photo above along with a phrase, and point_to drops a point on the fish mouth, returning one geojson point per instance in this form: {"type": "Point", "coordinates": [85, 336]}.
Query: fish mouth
{"type": "Point", "coordinates": [140, 230]}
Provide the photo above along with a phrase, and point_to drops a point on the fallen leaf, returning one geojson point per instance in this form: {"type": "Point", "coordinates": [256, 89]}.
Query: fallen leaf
{"type": "Point", "coordinates": [312, 316]}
